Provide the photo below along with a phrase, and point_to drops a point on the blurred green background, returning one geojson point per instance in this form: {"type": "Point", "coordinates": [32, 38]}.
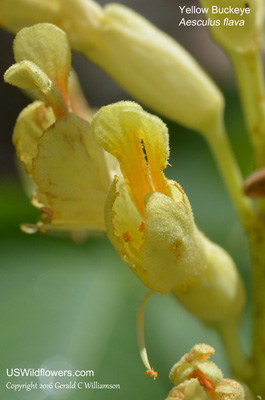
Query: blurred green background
{"type": "Point", "coordinates": [73, 306]}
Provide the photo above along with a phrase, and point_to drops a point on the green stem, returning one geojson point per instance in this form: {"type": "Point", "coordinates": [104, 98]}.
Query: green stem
{"type": "Point", "coordinates": [249, 74]}
{"type": "Point", "coordinates": [228, 166]}
{"type": "Point", "coordinates": [256, 234]}
{"type": "Point", "coordinates": [240, 366]}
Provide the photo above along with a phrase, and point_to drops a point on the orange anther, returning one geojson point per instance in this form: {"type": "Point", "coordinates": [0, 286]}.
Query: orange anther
{"type": "Point", "coordinates": [151, 372]}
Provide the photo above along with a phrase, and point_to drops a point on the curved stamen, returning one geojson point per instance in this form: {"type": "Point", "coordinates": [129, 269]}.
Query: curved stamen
{"type": "Point", "coordinates": [140, 336]}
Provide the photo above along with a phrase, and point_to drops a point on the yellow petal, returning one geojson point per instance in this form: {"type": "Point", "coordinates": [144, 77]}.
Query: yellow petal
{"type": "Point", "coordinates": [123, 129]}
{"type": "Point", "coordinates": [70, 173]}
{"type": "Point", "coordinates": [194, 391]}
{"type": "Point", "coordinates": [47, 46]}
{"type": "Point", "coordinates": [27, 75]}
{"type": "Point", "coordinates": [195, 364]}
{"type": "Point", "coordinates": [30, 125]}
{"type": "Point", "coordinates": [230, 390]}
{"type": "Point", "coordinates": [121, 215]}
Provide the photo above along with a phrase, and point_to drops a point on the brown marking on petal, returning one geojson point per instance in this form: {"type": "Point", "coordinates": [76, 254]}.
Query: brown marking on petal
{"type": "Point", "coordinates": [126, 237]}
{"type": "Point", "coordinates": [175, 248]}
{"type": "Point", "coordinates": [254, 185]}
{"type": "Point", "coordinates": [151, 372]}
{"type": "Point", "coordinates": [141, 226]}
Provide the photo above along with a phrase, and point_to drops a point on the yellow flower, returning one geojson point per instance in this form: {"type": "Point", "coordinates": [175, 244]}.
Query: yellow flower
{"type": "Point", "coordinates": [71, 172]}
{"type": "Point", "coordinates": [146, 62]}
{"type": "Point", "coordinates": [149, 219]}
{"type": "Point", "coordinates": [150, 222]}
{"type": "Point", "coordinates": [197, 378]}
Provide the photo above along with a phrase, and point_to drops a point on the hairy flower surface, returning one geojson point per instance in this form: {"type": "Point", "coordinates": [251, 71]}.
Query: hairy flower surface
{"type": "Point", "coordinates": [197, 378]}
{"type": "Point", "coordinates": [70, 170]}
{"type": "Point", "coordinates": [150, 222]}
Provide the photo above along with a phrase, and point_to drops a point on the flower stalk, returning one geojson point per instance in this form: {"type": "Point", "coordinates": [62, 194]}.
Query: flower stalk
{"type": "Point", "coordinates": [229, 169]}
{"type": "Point", "coordinates": [250, 78]}
{"type": "Point", "coordinates": [256, 234]}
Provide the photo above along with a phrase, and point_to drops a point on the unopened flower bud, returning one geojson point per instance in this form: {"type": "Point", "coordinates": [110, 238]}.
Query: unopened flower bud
{"type": "Point", "coordinates": [238, 32]}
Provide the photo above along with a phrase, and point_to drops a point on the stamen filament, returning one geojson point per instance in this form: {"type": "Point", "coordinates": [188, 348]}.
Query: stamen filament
{"type": "Point", "coordinates": [140, 331]}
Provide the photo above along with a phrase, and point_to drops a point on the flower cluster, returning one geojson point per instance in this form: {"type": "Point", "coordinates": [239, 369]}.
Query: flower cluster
{"type": "Point", "coordinates": [104, 172]}
{"type": "Point", "coordinates": [197, 378]}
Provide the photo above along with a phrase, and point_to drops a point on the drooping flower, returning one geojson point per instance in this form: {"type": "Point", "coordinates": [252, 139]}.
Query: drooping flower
{"type": "Point", "coordinates": [197, 378]}
{"type": "Point", "coordinates": [71, 172]}
{"type": "Point", "coordinates": [150, 222]}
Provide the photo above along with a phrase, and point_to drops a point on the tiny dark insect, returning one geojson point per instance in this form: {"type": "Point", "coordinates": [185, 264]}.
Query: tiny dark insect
{"type": "Point", "coordinates": [246, 5]}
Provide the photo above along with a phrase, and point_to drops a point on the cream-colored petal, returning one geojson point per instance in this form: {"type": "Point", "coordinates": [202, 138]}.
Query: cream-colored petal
{"type": "Point", "coordinates": [209, 370]}
{"type": "Point", "coordinates": [123, 129]}
{"type": "Point", "coordinates": [199, 351]}
{"type": "Point", "coordinates": [47, 46]}
{"type": "Point", "coordinates": [122, 219]}
{"type": "Point", "coordinates": [229, 390]}
{"type": "Point", "coordinates": [30, 125]}
{"type": "Point", "coordinates": [69, 171]}
{"type": "Point", "coordinates": [195, 391]}
{"type": "Point", "coordinates": [27, 75]}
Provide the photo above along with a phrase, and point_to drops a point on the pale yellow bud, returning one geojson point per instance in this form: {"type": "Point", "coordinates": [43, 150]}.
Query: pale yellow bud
{"type": "Point", "coordinates": [238, 32]}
